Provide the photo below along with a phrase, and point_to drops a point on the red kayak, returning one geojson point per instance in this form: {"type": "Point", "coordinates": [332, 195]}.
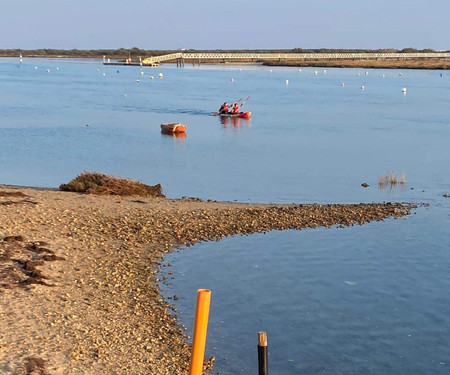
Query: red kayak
{"type": "Point", "coordinates": [241, 114]}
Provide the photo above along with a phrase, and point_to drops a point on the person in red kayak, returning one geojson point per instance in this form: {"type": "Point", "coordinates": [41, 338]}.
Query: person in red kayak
{"type": "Point", "coordinates": [235, 109]}
{"type": "Point", "coordinates": [224, 108]}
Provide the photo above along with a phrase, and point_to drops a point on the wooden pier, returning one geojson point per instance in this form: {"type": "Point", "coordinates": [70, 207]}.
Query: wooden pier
{"type": "Point", "coordinates": [180, 58]}
{"type": "Point", "coordinates": [196, 58]}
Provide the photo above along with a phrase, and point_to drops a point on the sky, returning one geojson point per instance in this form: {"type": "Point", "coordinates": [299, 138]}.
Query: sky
{"type": "Point", "coordinates": [232, 24]}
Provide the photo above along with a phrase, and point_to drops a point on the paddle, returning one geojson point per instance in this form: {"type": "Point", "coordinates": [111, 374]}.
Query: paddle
{"type": "Point", "coordinates": [245, 101]}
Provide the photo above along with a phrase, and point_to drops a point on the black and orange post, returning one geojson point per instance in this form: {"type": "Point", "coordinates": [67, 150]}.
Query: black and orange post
{"type": "Point", "coordinates": [262, 354]}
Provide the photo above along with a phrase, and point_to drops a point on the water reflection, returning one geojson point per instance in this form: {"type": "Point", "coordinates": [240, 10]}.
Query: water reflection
{"type": "Point", "coordinates": [179, 136]}
{"type": "Point", "coordinates": [235, 122]}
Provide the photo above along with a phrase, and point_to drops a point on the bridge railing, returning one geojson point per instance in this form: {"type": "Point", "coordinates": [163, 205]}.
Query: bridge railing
{"type": "Point", "coordinates": [295, 56]}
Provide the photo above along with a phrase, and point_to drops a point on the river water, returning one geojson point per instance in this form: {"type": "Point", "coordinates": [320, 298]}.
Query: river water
{"type": "Point", "coordinates": [368, 299]}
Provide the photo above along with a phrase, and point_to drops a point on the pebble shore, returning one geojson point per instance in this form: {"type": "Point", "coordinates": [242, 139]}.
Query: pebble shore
{"type": "Point", "coordinates": [78, 289]}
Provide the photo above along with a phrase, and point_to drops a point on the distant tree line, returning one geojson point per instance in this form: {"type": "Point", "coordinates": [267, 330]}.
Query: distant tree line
{"type": "Point", "coordinates": [136, 52]}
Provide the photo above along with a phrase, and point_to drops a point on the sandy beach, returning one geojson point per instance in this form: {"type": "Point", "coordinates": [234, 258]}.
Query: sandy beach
{"type": "Point", "coordinates": [78, 273]}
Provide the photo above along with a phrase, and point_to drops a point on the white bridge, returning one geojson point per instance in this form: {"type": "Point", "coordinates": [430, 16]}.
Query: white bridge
{"type": "Point", "coordinates": [197, 57]}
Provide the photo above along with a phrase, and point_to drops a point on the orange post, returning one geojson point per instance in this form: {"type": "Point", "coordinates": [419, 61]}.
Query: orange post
{"type": "Point", "coordinates": [200, 328]}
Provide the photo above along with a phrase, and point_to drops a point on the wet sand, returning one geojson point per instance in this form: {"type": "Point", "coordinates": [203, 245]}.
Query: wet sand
{"type": "Point", "coordinates": [78, 273]}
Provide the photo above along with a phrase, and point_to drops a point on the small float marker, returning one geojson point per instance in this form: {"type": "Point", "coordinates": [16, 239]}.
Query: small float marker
{"type": "Point", "coordinates": [160, 75]}
{"type": "Point", "coordinates": [384, 75]}
{"type": "Point", "coordinates": [48, 70]}
{"type": "Point", "coordinates": [35, 67]}
{"type": "Point", "coordinates": [125, 95]}
{"type": "Point", "coordinates": [316, 72]}
{"type": "Point", "coordinates": [138, 80]}
{"type": "Point", "coordinates": [400, 74]}
{"type": "Point", "coordinates": [366, 73]}
{"type": "Point", "coordinates": [232, 79]}
{"type": "Point", "coordinates": [362, 87]}
{"type": "Point", "coordinates": [404, 90]}
{"type": "Point", "coordinates": [299, 70]}
{"type": "Point", "coordinates": [324, 71]}
{"type": "Point", "coordinates": [142, 73]}
{"type": "Point", "coordinates": [151, 77]}
{"type": "Point", "coordinates": [271, 72]}
{"type": "Point", "coordinates": [57, 68]}
{"type": "Point", "coordinates": [287, 82]}
{"type": "Point", "coordinates": [342, 84]}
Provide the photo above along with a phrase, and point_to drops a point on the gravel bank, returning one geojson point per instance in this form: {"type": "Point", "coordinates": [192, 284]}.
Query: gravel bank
{"type": "Point", "coordinates": [77, 274]}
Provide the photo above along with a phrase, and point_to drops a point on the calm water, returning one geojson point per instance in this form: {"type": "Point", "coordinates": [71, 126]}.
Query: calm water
{"type": "Point", "coordinates": [360, 300]}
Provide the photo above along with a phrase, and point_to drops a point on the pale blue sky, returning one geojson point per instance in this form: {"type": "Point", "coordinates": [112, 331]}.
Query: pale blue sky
{"type": "Point", "coordinates": [232, 24]}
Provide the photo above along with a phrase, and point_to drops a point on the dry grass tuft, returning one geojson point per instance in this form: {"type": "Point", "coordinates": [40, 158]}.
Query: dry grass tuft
{"type": "Point", "coordinates": [101, 184]}
{"type": "Point", "coordinates": [391, 179]}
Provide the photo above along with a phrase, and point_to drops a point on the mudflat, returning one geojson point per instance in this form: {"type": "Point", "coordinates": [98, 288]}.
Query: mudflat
{"type": "Point", "coordinates": [425, 63]}
{"type": "Point", "coordinates": [78, 273]}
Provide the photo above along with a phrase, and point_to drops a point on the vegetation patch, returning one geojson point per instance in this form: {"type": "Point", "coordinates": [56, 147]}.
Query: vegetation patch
{"type": "Point", "coordinates": [101, 184]}
{"type": "Point", "coordinates": [19, 262]}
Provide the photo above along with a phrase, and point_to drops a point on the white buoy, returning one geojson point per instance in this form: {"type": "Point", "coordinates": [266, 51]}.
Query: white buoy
{"type": "Point", "coordinates": [142, 73]}
{"type": "Point", "coordinates": [400, 74]}
{"type": "Point", "coordinates": [35, 67]}
{"type": "Point", "coordinates": [362, 87]}
{"type": "Point", "coordinates": [160, 75]}
{"type": "Point", "coordinates": [232, 79]}
{"type": "Point", "coordinates": [287, 82]}
{"type": "Point", "coordinates": [57, 68]}
{"type": "Point", "coordinates": [151, 77]}
{"type": "Point", "coordinates": [366, 73]}
{"type": "Point", "coordinates": [299, 70]}
{"type": "Point", "coordinates": [270, 70]}
{"type": "Point", "coordinates": [404, 90]}
{"type": "Point", "coordinates": [138, 80]}
{"type": "Point", "coordinates": [359, 74]}
{"type": "Point", "coordinates": [104, 74]}
{"type": "Point", "coordinates": [324, 71]}
{"type": "Point", "coordinates": [316, 72]}
{"type": "Point", "coordinates": [240, 70]}
{"type": "Point", "coordinates": [48, 70]}
{"type": "Point", "coordinates": [125, 95]}
{"type": "Point", "coordinates": [384, 75]}
{"type": "Point", "coordinates": [342, 84]}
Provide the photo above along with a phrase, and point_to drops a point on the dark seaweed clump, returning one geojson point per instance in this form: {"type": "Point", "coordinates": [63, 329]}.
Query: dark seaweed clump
{"type": "Point", "coordinates": [101, 184]}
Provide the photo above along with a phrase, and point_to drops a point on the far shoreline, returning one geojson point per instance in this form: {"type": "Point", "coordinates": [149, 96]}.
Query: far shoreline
{"type": "Point", "coordinates": [410, 64]}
